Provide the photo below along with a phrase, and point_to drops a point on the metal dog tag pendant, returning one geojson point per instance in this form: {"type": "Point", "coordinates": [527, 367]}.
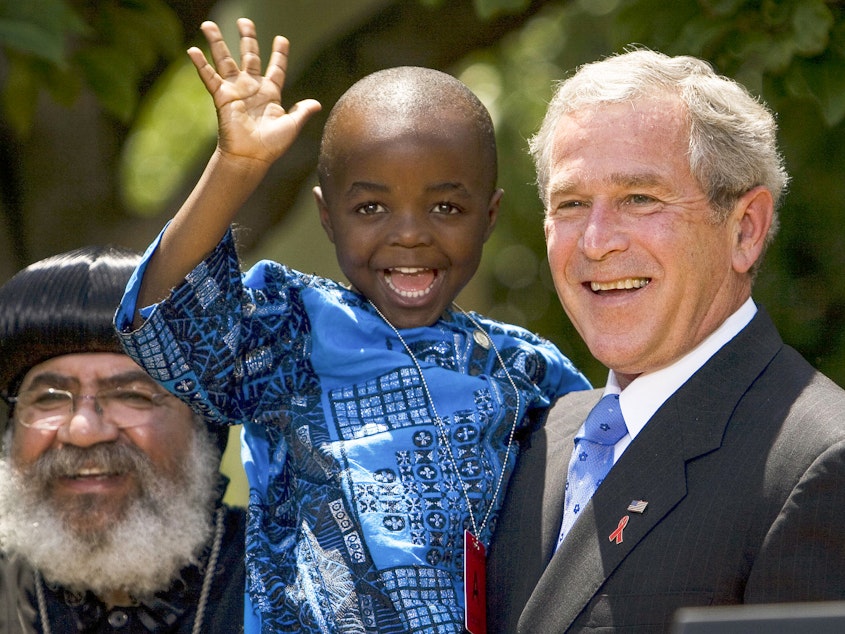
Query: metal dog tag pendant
{"type": "Point", "coordinates": [475, 585]}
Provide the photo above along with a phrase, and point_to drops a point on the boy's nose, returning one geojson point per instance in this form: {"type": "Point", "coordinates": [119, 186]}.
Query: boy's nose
{"type": "Point", "coordinates": [408, 229]}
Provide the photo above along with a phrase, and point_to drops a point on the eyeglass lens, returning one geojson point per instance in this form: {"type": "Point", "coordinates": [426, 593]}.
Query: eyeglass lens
{"type": "Point", "coordinates": [51, 408]}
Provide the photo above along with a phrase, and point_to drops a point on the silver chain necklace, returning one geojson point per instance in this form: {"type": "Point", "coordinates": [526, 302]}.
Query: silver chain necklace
{"type": "Point", "coordinates": [441, 428]}
{"type": "Point", "coordinates": [206, 581]}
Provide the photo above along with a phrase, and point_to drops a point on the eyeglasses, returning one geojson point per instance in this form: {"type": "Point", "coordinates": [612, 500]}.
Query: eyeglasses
{"type": "Point", "coordinates": [49, 408]}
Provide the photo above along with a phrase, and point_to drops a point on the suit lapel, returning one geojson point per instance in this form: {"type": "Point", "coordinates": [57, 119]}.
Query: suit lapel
{"type": "Point", "coordinates": [653, 468]}
{"type": "Point", "coordinates": [588, 556]}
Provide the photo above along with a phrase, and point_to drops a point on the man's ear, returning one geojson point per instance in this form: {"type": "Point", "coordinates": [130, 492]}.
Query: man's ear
{"type": "Point", "coordinates": [325, 218]}
{"type": "Point", "coordinates": [493, 212]}
{"type": "Point", "coordinates": [752, 217]}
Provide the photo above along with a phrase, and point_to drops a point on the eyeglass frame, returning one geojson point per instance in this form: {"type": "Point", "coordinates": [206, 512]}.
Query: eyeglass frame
{"type": "Point", "coordinates": [73, 399]}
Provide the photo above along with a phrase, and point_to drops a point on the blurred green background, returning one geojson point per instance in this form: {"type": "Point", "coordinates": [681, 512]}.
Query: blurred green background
{"type": "Point", "coordinates": [104, 128]}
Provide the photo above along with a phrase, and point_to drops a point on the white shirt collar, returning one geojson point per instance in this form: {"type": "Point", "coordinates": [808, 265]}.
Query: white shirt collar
{"type": "Point", "coordinates": [645, 394]}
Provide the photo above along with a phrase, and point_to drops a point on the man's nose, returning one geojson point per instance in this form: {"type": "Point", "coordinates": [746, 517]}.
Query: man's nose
{"type": "Point", "coordinates": [603, 232]}
{"type": "Point", "coordinates": [87, 425]}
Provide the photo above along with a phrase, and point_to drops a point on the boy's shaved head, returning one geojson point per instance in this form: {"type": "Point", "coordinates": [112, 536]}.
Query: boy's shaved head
{"type": "Point", "coordinates": [409, 98]}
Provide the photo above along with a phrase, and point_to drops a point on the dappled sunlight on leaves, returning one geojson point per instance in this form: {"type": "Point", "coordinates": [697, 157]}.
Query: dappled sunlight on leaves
{"type": "Point", "coordinates": [171, 136]}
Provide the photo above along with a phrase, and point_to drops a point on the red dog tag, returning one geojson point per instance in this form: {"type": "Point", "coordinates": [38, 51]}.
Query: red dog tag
{"type": "Point", "coordinates": [475, 585]}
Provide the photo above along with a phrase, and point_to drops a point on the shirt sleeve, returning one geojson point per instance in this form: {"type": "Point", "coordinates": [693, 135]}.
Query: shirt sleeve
{"type": "Point", "coordinates": [192, 342]}
{"type": "Point", "coordinates": [562, 376]}
{"type": "Point", "coordinates": [542, 372]}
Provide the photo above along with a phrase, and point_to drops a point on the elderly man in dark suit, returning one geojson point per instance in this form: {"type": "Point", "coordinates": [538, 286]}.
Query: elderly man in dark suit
{"type": "Point", "coordinates": [725, 480]}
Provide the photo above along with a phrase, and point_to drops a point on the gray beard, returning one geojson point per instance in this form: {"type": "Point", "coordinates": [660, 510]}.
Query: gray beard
{"type": "Point", "coordinates": [163, 529]}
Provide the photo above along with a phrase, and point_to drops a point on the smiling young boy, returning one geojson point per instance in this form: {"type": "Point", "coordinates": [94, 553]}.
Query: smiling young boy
{"type": "Point", "coordinates": [379, 418]}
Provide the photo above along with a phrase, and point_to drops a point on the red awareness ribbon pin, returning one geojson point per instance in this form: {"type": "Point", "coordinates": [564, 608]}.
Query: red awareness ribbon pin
{"type": "Point", "coordinates": [617, 534]}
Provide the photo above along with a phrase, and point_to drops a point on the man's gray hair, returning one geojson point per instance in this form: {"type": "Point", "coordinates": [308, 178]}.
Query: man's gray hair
{"type": "Point", "coordinates": [732, 137]}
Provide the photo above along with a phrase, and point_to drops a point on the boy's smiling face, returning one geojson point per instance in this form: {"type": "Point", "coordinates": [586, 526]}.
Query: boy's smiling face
{"type": "Point", "coordinates": [408, 207]}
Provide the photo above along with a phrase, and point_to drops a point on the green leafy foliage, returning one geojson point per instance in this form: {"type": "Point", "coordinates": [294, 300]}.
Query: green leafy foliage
{"type": "Point", "coordinates": [487, 8]}
{"type": "Point", "coordinates": [39, 28]}
{"type": "Point", "coordinates": [788, 52]}
{"type": "Point", "coordinates": [172, 131]}
{"type": "Point", "coordinates": [796, 42]}
{"type": "Point", "coordinates": [108, 48]}
{"type": "Point", "coordinates": [35, 35]}
{"type": "Point", "coordinates": [490, 8]}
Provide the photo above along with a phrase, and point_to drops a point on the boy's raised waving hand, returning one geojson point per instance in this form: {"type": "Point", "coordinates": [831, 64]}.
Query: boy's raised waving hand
{"type": "Point", "coordinates": [252, 124]}
{"type": "Point", "coordinates": [254, 130]}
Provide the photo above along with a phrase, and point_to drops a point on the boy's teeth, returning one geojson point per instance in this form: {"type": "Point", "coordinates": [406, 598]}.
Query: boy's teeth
{"type": "Point", "coordinates": [410, 281]}
{"type": "Point", "coordinates": [629, 283]}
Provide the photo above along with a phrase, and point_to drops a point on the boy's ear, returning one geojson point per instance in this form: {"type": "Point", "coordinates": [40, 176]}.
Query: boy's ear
{"type": "Point", "coordinates": [493, 212]}
{"type": "Point", "coordinates": [325, 218]}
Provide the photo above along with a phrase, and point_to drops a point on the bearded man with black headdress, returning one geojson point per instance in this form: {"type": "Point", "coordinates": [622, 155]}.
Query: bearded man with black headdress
{"type": "Point", "coordinates": [111, 513]}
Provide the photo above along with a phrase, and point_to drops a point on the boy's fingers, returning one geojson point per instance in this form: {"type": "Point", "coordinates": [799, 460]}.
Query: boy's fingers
{"type": "Point", "coordinates": [250, 56]}
{"type": "Point", "coordinates": [278, 64]}
{"type": "Point", "coordinates": [226, 65]}
{"type": "Point", "coordinates": [205, 70]}
{"type": "Point", "coordinates": [301, 111]}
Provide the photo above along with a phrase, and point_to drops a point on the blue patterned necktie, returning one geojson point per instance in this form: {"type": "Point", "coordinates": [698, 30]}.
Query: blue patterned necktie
{"type": "Point", "coordinates": [592, 457]}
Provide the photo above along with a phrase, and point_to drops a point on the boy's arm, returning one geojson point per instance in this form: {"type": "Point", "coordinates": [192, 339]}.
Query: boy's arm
{"type": "Point", "coordinates": [253, 131]}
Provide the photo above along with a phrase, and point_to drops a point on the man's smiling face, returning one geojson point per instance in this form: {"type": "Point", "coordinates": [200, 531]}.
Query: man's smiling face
{"type": "Point", "coordinates": [93, 490]}
{"type": "Point", "coordinates": [640, 265]}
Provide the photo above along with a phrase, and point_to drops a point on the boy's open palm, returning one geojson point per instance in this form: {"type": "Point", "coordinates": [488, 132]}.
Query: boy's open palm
{"type": "Point", "coordinates": [252, 122]}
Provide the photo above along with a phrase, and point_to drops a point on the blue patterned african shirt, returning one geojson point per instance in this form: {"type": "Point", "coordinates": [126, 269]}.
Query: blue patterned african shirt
{"type": "Point", "coordinates": [356, 514]}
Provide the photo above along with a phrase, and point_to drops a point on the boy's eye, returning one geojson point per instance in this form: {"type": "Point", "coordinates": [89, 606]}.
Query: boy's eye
{"type": "Point", "coordinates": [370, 208]}
{"type": "Point", "coordinates": [446, 209]}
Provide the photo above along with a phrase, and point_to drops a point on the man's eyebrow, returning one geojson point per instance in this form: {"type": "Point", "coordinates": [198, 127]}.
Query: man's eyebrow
{"type": "Point", "coordinates": [618, 179]}
{"type": "Point", "coordinates": [65, 382]}
{"type": "Point", "coordinates": [52, 379]}
{"type": "Point", "coordinates": [645, 179]}
{"type": "Point", "coordinates": [561, 186]}
{"type": "Point", "coordinates": [123, 378]}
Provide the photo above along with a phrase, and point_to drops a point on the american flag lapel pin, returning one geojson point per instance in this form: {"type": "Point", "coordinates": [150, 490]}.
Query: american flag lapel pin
{"type": "Point", "coordinates": [637, 506]}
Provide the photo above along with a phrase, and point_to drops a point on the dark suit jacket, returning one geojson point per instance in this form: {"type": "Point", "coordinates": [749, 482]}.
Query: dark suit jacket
{"type": "Point", "coordinates": [743, 469]}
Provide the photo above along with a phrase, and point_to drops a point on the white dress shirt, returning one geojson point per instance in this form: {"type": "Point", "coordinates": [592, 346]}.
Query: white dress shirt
{"type": "Point", "coordinates": [645, 394]}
